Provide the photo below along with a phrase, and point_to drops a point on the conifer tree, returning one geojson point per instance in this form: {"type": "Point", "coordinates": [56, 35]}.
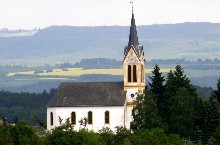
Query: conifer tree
{"type": "Point", "coordinates": [180, 103]}
{"type": "Point", "coordinates": [175, 81]}
{"type": "Point", "coordinates": [210, 119]}
{"type": "Point", "coordinates": [167, 96]}
{"type": "Point", "coordinates": [169, 91]}
{"type": "Point", "coordinates": [170, 87]}
{"type": "Point", "coordinates": [179, 80]}
{"type": "Point", "coordinates": [157, 87]}
{"type": "Point", "coordinates": [200, 108]}
{"type": "Point", "coordinates": [216, 93]}
{"type": "Point", "coordinates": [182, 112]}
{"type": "Point", "coordinates": [215, 139]}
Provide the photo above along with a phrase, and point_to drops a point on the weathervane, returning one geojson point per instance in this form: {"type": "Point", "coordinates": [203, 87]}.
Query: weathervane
{"type": "Point", "coordinates": [132, 3]}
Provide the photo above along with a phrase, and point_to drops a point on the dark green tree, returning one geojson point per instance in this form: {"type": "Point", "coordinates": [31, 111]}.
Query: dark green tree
{"type": "Point", "coordinates": [122, 135]}
{"type": "Point", "coordinates": [215, 139]}
{"type": "Point", "coordinates": [210, 119]}
{"type": "Point", "coordinates": [157, 88]}
{"type": "Point", "coordinates": [145, 113]}
{"type": "Point", "coordinates": [5, 137]}
{"type": "Point", "coordinates": [155, 136]}
{"type": "Point", "coordinates": [180, 103]}
{"type": "Point", "coordinates": [63, 135]}
{"type": "Point", "coordinates": [207, 118]}
{"type": "Point", "coordinates": [178, 79]}
{"type": "Point", "coordinates": [181, 120]}
{"type": "Point", "coordinates": [216, 93]}
{"type": "Point", "coordinates": [200, 108]}
{"type": "Point", "coordinates": [107, 135]}
{"type": "Point", "coordinates": [21, 133]}
{"type": "Point", "coordinates": [169, 86]}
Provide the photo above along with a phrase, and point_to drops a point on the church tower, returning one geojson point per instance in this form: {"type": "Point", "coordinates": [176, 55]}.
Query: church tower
{"type": "Point", "coordinates": [134, 76]}
{"type": "Point", "coordinates": [133, 63]}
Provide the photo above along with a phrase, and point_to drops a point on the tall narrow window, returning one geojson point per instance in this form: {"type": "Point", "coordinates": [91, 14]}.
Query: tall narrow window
{"type": "Point", "coordinates": [142, 73]}
{"type": "Point", "coordinates": [134, 73]}
{"type": "Point", "coordinates": [89, 117]}
{"type": "Point", "coordinates": [73, 117]}
{"type": "Point", "coordinates": [106, 117]}
{"type": "Point", "coordinates": [51, 118]}
{"type": "Point", "coordinates": [129, 73]}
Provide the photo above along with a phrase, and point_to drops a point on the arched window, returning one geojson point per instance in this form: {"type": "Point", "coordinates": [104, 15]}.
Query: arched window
{"type": "Point", "coordinates": [51, 118]}
{"type": "Point", "coordinates": [90, 117]}
{"type": "Point", "coordinates": [134, 73]}
{"type": "Point", "coordinates": [106, 117]}
{"type": "Point", "coordinates": [129, 73]}
{"type": "Point", "coordinates": [142, 73]}
{"type": "Point", "coordinates": [73, 117]}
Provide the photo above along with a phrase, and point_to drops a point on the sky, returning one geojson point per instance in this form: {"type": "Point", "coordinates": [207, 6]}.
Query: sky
{"type": "Point", "coordinates": [30, 14]}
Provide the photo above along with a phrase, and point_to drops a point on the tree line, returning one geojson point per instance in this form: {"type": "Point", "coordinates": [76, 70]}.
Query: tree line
{"type": "Point", "coordinates": [113, 63]}
{"type": "Point", "coordinates": [24, 106]}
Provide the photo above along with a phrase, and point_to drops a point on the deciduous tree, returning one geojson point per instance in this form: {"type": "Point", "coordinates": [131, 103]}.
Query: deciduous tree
{"type": "Point", "coordinates": [145, 113]}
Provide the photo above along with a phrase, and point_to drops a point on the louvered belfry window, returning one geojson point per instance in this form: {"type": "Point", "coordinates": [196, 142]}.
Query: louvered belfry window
{"type": "Point", "coordinates": [129, 73]}
{"type": "Point", "coordinates": [134, 73]}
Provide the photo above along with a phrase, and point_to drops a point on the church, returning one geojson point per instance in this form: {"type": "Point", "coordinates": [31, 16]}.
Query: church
{"type": "Point", "coordinates": [94, 105]}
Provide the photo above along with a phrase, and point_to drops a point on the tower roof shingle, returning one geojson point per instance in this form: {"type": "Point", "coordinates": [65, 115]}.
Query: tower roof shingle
{"type": "Point", "coordinates": [133, 40]}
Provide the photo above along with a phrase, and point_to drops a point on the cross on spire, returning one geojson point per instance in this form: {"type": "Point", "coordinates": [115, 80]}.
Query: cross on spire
{"type": "Point", "coordinates": [132, 3]}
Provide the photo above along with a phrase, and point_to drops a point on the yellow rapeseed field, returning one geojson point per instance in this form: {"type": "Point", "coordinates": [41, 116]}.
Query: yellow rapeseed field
{"type": "Point", "coordinates": [22, 73]}
{"type": "Point", "coordinates": [80, 71]}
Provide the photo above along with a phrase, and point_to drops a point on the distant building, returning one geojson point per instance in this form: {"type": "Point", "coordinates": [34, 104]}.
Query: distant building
{"type": "Point", "coordinates": [95, 105]}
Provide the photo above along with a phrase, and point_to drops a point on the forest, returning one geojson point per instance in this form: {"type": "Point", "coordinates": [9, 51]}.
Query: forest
{"type": "Point", "coordinates": [25, 106]}
{"type": "Point", "coordinates": [174, 105]}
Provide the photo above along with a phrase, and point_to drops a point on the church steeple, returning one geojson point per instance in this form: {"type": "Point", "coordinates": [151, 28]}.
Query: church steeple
{"type": "Point", "coordinates": [133, 38]}
{"type": "Point", "coordinates": [134, 76]}
{"type": "Point", "coordinates": [133, 65]}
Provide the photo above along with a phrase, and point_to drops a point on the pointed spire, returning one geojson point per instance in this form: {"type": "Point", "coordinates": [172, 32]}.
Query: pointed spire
{"type": "Point", "coordinates": [133, 38]}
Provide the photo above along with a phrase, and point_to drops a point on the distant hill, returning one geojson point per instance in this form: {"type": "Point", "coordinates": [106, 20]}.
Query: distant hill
{"type": "Point", "coordinates": [57, 44]}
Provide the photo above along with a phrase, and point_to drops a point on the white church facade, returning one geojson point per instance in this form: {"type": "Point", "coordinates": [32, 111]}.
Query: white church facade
{"type": "Point", "coordinates": [94, 105]}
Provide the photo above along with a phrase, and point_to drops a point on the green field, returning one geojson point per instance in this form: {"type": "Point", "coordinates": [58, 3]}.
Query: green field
{"type": "Point", "coordinates": [28, 76]}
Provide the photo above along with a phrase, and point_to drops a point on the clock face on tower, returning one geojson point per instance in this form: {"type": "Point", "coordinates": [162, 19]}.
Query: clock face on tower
{"type": "Point", "coordinates": [131, 58]}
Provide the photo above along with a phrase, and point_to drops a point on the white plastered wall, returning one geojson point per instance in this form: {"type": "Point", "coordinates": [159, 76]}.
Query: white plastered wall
{"type": "Point", "coordinates": [129, 106]}
{"type": "Point", "coordinates": [116, 115]}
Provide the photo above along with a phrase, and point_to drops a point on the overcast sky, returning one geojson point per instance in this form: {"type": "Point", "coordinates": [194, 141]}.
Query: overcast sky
{"type": "Point", "coordinates": [28, 14]}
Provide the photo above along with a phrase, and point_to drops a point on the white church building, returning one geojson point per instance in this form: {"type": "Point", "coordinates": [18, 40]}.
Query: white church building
{"type": "Point", "coordinates": [94, 105]}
